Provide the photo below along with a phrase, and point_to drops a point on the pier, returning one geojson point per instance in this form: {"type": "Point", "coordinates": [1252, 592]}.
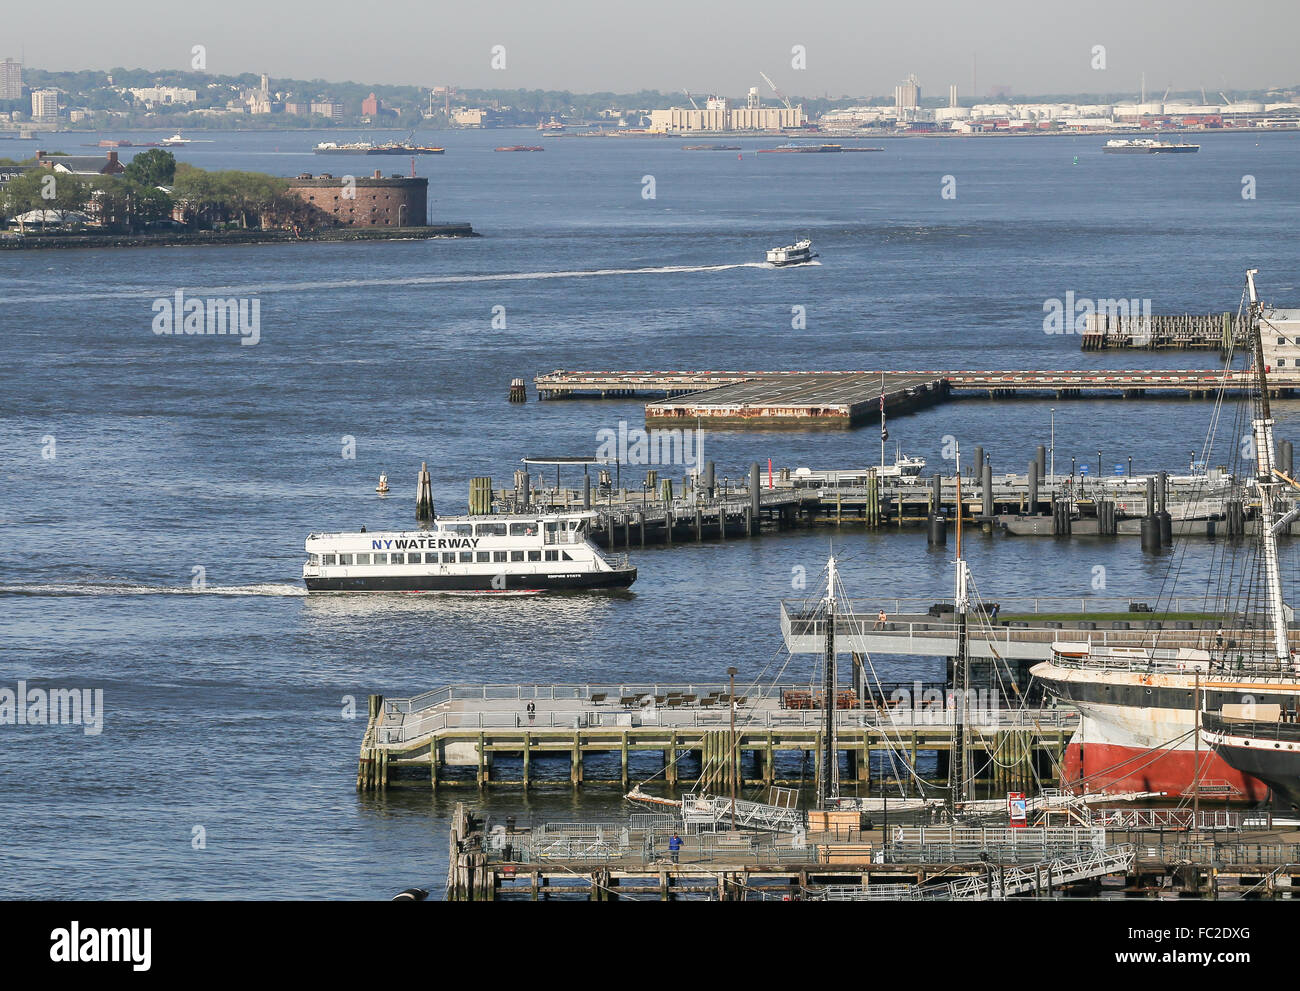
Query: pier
{"type": "Point", "coordinates": [853, 857]}
{"type": "Point", "coordinates": [1222, 332]}
{"type": "Point", "coordinates": [657, 510]}
{"type": "Point", "coordinates": [482, 736]}
{"type": "Point", "coordinates": [850, 398]}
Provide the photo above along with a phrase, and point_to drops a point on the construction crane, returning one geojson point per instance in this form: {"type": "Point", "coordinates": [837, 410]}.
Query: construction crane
{"type": "Point", "coordinates": [692, 99]}
{"type": "Point", "coordinates": [780, 96]}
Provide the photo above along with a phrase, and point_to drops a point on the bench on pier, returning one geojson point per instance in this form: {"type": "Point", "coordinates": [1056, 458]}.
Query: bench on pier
{"type": "Point", "coordinates": [598, 697]}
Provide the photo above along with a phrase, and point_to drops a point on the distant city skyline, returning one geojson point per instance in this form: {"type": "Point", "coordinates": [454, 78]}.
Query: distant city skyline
{"type": "Point", "coordinates": [592, 46]}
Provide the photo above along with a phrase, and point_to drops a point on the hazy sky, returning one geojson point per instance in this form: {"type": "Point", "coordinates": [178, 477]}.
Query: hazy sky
{"type": "Point", "coordinates": [586, 45]}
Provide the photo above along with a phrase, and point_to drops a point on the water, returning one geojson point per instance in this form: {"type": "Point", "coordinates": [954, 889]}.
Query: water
{"type": "Point", "coordinates": [225, 706]}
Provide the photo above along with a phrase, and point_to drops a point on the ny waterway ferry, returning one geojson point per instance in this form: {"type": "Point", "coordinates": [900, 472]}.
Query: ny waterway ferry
{"type": "Point", "coordinates": [497, 553]}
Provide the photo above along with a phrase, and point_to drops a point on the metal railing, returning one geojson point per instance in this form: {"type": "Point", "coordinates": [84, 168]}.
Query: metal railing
{"type": "Point", "coordinates": [408, 720]}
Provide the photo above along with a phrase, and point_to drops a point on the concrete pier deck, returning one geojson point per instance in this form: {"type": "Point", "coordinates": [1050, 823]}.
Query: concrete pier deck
{"type": "Point", "coordinates": [849, 398]}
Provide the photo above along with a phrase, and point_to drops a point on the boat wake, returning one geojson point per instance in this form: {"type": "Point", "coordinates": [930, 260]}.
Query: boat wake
{"type": "Point", "coordinates": [114, 588]}
{"type": "Point", "coordinates": [424, 280]}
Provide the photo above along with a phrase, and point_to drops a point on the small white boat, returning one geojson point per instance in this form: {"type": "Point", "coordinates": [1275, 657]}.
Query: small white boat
{"type": "Point", "coordinates": [792, 254]}
{"type": "Point", "coordinates": [383, 484]}
{"type": "Point", "coordinates": [903, 467]}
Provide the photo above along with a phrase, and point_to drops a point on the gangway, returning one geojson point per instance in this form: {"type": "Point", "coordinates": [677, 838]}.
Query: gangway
{"type": "Point", "coordinates": [707, 812]}
{"type": "Point", "coordinates": [999, 883]}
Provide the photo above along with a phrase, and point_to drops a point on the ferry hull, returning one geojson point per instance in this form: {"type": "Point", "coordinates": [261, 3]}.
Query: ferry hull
{"type": "Point", "coordinates": [619, 578]}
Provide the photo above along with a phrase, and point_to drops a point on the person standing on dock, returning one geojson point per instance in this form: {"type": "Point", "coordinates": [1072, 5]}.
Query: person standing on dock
{"type": "Point", "coordinates": [532, 713]}
{"type": "Point", "coordinates": [675, 847]}
{"type": "Point", "coordinates": [880, 620]}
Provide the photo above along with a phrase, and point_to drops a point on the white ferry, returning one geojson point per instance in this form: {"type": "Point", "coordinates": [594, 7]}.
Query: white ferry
{"type": "Point", "coordinates": [791, 254]}
{"type": "Point", "coordinates": [494, 553]}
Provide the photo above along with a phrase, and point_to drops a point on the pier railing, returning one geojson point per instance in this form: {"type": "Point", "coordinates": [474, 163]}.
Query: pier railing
{"type": "Point", "coordinates": [603, 707]}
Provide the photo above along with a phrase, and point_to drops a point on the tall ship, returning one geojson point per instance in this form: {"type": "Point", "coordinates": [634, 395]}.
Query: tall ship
{"type": "Point", "coordinates": [494, 553]}
{"type": "Point", "coordinates": [1147, 146]}
{"type": "Point", "coordinates": [1141, 706]}
{"type": "Point", "coordinates": [1263, 743]}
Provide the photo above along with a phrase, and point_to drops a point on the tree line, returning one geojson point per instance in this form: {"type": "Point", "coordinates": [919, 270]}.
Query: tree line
{"type": "Point", "coordinates": [157, 191]}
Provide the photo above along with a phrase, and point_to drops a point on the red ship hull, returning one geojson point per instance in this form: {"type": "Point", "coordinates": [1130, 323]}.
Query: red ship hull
{"type": "Point", "coordinates": [1114, 768]}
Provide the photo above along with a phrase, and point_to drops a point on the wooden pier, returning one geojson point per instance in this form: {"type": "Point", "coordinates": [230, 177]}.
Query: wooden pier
{"type": "Point", "coordinates": [483, 736]}
{"type": "Point", "coordinates": [657, 510]}
{"type": "Point", "coordinates": [1221, 332]}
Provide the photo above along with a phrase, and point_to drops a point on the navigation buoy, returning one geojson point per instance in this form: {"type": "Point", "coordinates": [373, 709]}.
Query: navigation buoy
{"type": "Point", "coordinates": [382, 487]}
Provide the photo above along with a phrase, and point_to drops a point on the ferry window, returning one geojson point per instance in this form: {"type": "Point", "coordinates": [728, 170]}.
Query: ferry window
{"type": "Point", "coordinates": [345, 559]}
{"type": "Point", "coordinates": [483, 557]}
{"type": "Point", "coordinates": [534, 555]}
{"type": "Point", "coordinates": [329, 559]}
{"type": "Point", "coordinates": [565, 556]}
{"type": "Point", "coordinates": [521, 529]}
{"type": "Point", "coordinates": [464, 529]}
{"type": "Point", "coordinates": [363, 559]}
{"type": "Point", "coordinates": [490, 529]}
{"type": "Point", "coordinates": [466, 557]}
{"type": "Point", "coordinates": [448, 557]}
{"type": "Point", "coordinates": [516, 555]}
{"type": "Point", "coordinates": [552, 555]}
{"type": "Point", "coordinates": [315, 559]}
{"type": "Point", "coordinates": [399, 558]}
{"type": "Point", "coordinates": [380, 558]}
{"type": "Point", "coordinates": [498, 555]}
{"type": "Point", "coordinates": [574, 524]}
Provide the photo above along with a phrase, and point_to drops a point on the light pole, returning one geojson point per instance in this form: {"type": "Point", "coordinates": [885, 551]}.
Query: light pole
{"type": "Point", "coordinates": [731, 754]}
{"type": "Point", "coordinates": [1052, 470]}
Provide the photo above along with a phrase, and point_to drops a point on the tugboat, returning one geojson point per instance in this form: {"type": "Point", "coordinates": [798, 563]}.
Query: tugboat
{"type": "Point", "coordinates": [492, 553]}
{"type": "Point", "coordinates": [792, 254]}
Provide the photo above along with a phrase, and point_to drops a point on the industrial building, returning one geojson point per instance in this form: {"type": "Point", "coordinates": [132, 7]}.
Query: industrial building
{"type": "Point", "coordinates": [719, 115]}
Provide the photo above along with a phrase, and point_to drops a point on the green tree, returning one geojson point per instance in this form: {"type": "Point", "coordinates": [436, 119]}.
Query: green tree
{"type": "Point", "coordinates": [155, 167]}
{"type": "Point", "coordinates": [60, 193]}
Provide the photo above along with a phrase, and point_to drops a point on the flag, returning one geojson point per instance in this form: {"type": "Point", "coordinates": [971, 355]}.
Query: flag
{"type": "Point", "coordinates": [884, 432]}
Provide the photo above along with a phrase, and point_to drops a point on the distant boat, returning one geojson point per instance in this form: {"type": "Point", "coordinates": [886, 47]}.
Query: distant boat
{"type": "Point", "coordinates": [370, 148]}
{"type": "Point", "coordinates": [176, 140]}
{"type": "Point", "coordinates": [520, 148]}
{"type": "Point", "coordinates": [791, 254]}
{"type": "Point", "coordinates": [794, 148]}
{"type": "Point", "coordinates": [710, 147]}
{"type": "Point", "coordinates": [1147, 146]}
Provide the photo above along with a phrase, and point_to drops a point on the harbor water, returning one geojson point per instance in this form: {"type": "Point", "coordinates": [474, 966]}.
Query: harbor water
{"type": "Point", "coordinates": [156, 490]}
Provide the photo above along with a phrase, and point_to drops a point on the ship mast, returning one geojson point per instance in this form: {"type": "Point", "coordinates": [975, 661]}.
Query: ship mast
{"type": "Point", "coordinates": [830, 777]}
{"type": "Point", "coordinates": [1262, 430]}
{"type": "Point", "coordinates": [959, 764]}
